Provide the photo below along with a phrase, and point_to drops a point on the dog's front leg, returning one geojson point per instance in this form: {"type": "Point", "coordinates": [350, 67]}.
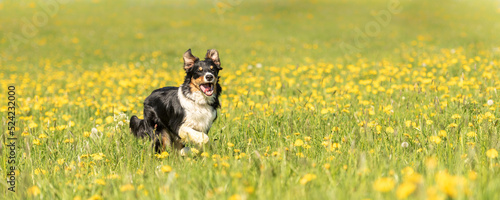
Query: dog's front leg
{"type": "Point", "coordinates": [189, 135]}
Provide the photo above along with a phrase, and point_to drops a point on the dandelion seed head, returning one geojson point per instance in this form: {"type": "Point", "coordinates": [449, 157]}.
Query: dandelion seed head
{"type": "Point", "coordinates": [404, 144]}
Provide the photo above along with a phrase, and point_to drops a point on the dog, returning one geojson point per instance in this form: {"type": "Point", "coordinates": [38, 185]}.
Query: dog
{"type": "Point", "coordinates": [175, 116]}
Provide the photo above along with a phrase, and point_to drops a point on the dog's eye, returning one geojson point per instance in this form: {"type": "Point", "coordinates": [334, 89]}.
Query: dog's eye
{"type": "Point", "coordinates": [211, 67]}
{"type": "Point", "coordinates": [201, 69]}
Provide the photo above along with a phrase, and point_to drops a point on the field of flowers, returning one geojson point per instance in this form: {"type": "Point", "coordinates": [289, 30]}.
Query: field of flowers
{"type": "Point", "coordinates": [315, 105]}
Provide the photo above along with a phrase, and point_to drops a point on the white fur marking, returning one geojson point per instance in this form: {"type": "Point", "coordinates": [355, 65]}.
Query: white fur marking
{"type": "Point", "coordinates": [199, 117]}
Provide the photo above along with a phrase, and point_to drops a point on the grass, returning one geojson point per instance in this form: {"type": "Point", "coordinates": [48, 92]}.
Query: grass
{"type": "Point", "coordinates": [406, 116]}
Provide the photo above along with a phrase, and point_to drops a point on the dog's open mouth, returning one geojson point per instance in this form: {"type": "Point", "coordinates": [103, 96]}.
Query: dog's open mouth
{"type": "Point", "coordinates": [207, 88]}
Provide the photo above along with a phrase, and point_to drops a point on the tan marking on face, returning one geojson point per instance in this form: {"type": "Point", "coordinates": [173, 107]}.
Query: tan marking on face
{"type": "Point", "coordinates": [195, 84]}
{"type": "Point", "coordinates": [211, 67]}
{"type": "Point", "coordinates": [200, 69]}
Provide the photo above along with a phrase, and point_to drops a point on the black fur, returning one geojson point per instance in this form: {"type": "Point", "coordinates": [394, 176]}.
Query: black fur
{"type": "Point", "coordinates": [163, 112]}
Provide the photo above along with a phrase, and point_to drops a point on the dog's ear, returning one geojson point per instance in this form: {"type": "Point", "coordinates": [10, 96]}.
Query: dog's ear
{"type": "Point", "coordinates": [189, 59]}
{"type": "Point", "coordinates": [214, 56]}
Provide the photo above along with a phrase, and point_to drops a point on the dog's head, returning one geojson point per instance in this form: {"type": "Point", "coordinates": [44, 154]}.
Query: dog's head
{"type": "Point", "coordinates": [203, 74]}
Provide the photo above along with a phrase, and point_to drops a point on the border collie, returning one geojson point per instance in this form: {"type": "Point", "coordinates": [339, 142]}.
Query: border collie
{"type": "Point", "coordinates": [174, 116]}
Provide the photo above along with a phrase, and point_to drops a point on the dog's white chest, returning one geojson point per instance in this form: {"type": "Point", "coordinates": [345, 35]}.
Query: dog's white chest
{"type": "Point", "coordinates": [199, 115]}
{"type": "Point", "coordinates": [200, 118]}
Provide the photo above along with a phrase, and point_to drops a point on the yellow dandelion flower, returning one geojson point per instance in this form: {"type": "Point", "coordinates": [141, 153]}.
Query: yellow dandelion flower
{"type": "Point", "coordinates": [70, 140]}
{"type": "Point", "coordinates": [388, 109]}
{"type": "Point", "coordinates": [139, 35]}
{"type": "Point", "coordinates": [41, 136]}
{"type": "Point", "coordinates": [307, 178]}
{"type": "Point", "coordinates": [195, 151]}
{"type": "Point", "coordinates": [384, 184]}
{"type": "Point", "coordinates": [489, 116]}
{"type": "Point", "coordinates": [326, 166]}
{"type": "Point", "coordinates": [456, 116]}
{"type": "Point", "coordinates": [414, 178]}
{"type": "Point", "coordinates": [451, 185]}
{"type": "Point", "coordinates": [405, 189]}
{"type": "Point", "coordinates": [298, 143]}
{"type": "Point", "coordinates": [229, 144]}
{"type": "Point", "coordinates": [442, 133]}
{"type": "Point", "coordinates": [40, 171]}
{"type": "Point", "coordinates": [235, 197]}
{"type": "Point", "coordinates": [492, 153]}
{"type": "Point", "coordinates": [36, 142]}
{"type": "Point", "coordinates": [97, 156]}
{"type": "Point", "coordinates": [237, 175]}
{"type": "Point", "coordinates": [34, 190]}
{"type": "Point", "coordinates": [32, 125]}
{"type": "Point", "coordinates": [407, 171]}
{"type": "Point", "coordinates": [471, 134]}
{"type": "Point", "coordinates": [113, 176]}
{"type": "Point", "coordinates": [162, 155]}
{"type": "Point", "coordinates": [250, 190]}
{"type": "Point", "coordinates": [472, 175]}
{"type": "Point", "coordinates": [389, 130]}
{"type": "Point", "coordinates": [100, 181]}
{"type": "Point", "coordinates": [128, 187]}
{"type": "Point", "coordinates": [435, 139]}
{"type": "Point", "coordinates": [433, 194]}
{"type": "Point", "coordinates": [86, 134]}
{"type": "Point", "coordinates": [166, 168]}
{"type": "Point", "coordinates": [431, 162]}
{"type": "Point", "coordinates": [109, 120]}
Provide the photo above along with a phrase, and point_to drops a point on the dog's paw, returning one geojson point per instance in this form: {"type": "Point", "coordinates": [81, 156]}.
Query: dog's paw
{"type": "Point", "coordinates": [183, 135]}
{"type": "Point", "coordinates": [200, 139]}
{"type": "Point", "coordinates": [185, 151]}
{"type": "Point", "coordinates": [205, 138]}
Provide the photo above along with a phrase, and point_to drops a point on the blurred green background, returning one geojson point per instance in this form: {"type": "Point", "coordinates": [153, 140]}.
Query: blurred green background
{"type": "Point", "coordinates": [77, 64]}
{"type": "Point", "coordinates": [257, 31]}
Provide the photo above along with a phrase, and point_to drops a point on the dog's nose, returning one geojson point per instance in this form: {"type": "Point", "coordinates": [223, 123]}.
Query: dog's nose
{"type": "Point", "coordinates": [209, 77]}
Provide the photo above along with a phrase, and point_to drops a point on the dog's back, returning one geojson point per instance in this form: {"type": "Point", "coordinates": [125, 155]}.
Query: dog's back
{"type": "Point", "coordinates": [162, 106]}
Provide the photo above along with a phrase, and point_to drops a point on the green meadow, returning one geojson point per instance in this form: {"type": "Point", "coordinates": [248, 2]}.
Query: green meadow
{"type": "Point", "coordinates": [380, 99]}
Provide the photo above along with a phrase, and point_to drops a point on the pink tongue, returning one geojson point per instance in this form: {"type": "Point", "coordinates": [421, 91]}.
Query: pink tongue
{"type": "Point", "coordinates": [205, 88]}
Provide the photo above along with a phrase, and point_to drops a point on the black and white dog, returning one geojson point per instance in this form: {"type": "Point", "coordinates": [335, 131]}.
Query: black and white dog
{"type": "Point", "coordinates": [174, 116]}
